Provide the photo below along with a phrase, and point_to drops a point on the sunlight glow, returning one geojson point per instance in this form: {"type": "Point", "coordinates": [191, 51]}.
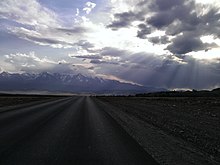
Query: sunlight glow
{"type": "Point", "coordinates": [208, 1]}
{"type": "Point", "coordinates": [209, 39]}
{"type": "Point", "coordinates": [212, 54]}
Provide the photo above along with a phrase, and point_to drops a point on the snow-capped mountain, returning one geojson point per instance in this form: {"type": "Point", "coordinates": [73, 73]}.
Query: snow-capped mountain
{"type": "Point", "coordinates": [55, 82]}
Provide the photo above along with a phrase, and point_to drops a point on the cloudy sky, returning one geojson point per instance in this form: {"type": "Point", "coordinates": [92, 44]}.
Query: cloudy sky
{"type": "Point", "coordinates": [163, 43]}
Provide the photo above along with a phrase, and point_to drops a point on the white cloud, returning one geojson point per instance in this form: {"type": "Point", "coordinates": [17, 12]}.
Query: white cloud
{"type": "Point", "coordinates": [28, 12]}
{"type": "Point", "coordinates": [39, 24]}
{"type": "Point", "coordinates": [32, 63]}
{"type": "Point", "coordinates": [213, 54]}
{"type": "Point", "coordinates": [123, 5]}
{"type": "Point", "coordinates": [77, 12]}
{"type": "Point", "coordinates": [22, 62]}
{"type": "Point", "coordinates": [211, 2]}
{"type": "Point", "coordinates": [89, 7]}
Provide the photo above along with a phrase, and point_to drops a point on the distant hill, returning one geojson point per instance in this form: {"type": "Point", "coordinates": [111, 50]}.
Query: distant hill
{"type": "Point", "coordinates": [216, 90]}
{"type": "Point", "coordinates": [55, 82]}
{"type": "Point", "coordinates": [193, 93]}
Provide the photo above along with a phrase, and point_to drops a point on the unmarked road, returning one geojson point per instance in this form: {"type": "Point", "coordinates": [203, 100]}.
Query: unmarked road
{"type": "Point", "coordinates": [66, 131]}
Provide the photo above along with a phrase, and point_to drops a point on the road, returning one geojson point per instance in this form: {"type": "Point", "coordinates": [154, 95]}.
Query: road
{"type": "Point", "coordinates": [66, 131]}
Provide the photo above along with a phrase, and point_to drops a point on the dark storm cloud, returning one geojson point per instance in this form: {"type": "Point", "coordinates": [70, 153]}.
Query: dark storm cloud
{"type": "Point", "coordinates": [144, 31]}
{"type": "Point", "coordinates": [123, 20]}
{"type": "Point", "coordinates": [177, 18]}
{"type": "Point", "coordinates": [181, 20]}
{"type": "Point", "coordinates": [162, 5]}
{"type": "Point", "coordinates": [161, 19]}
{"type": "Point", "coordinates": [103, 62]}
{"type": "Point", "coordinates": [90, 57]}
{"type": "Point", "coordinates": [187, 43]}
{"type": "Point", "coordinates": [86, 45]}
{"type": "Point", "coordinates": [159, 40]}
{"type": "Point", "coordinates": [114, 52]}
{"type": "Point", "coordinates": [166, 12]}
{"type": "Point", "coordinates": [178, 27]}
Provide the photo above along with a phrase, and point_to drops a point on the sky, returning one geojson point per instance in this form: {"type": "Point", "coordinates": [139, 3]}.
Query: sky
{"type": "Point", "coordinates": [163, 43]}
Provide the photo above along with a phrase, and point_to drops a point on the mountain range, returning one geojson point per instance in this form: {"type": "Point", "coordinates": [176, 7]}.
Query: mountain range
{"type": "Point", "coordinates": [56, 82]}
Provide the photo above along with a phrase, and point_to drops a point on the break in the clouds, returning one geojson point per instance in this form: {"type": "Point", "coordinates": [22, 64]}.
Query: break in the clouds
{"type": "Point", "coordinates": [164, 43]}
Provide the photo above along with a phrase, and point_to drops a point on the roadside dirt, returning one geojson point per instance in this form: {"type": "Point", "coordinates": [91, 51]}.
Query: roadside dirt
{"type": "Point", "coordinates": [174, 130]}
{"type": "Point", "coordinates": [17, 100]}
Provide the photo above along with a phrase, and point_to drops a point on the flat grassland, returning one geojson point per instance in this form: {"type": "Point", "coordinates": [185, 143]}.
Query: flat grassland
{"type": "Point", "coordinates": [188, 128]}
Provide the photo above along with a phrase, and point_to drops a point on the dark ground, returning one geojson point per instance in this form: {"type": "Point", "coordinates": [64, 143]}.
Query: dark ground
{"type": "Point", "coordinates": [66, 131]}
{"type": "Point", "coordinates": [10, 99]}
{"type": "Point", "coordinates": [194, 121]}
{"type": "Point", "coordinates": [62, 130]}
